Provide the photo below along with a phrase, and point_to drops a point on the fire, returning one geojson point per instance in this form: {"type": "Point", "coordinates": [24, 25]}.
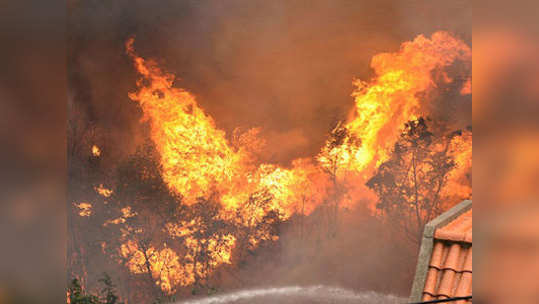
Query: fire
{"type": "Point", "coordinates": [176, 273]}
{"type": "Point", "coordinates": [197, 159]}
{"type": "Point", "coordinates": [195, 155]}
{"type": "Point", "coordinates": [103, 191]}
{"type": "Point", "coordinates": [85, 208]}
{"type": "Point", "coordinates": [126, 213]}
{"type": "Point", "coordinates": [467, 87]}
{"type": "Point", "coordinates": [168, 269]}
{"type": "Point", "coordinates": [383, 105]}
{"type": "Point", "coordinates": [461, 150]}
{"type": "Point", "coordinates": [96, 151]}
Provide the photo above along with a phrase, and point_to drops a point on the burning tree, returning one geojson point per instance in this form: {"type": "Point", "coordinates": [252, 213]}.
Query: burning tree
{"type": "Point", "coordinates": [340, 148]}
{"type": "Point", "coordinates": [409, 184]}
{"type": "Point", "coordinates": [138, 212]}
{"type": "Point", "coordinates": [169, 244]}
{"type": "Point", "coordinates": [256, 221]}
{"type": "Point", "coordinates": [210, 242]}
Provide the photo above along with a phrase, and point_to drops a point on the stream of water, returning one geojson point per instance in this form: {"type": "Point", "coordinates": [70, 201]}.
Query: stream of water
{"type": "Point", "coordinates": [296, 294]}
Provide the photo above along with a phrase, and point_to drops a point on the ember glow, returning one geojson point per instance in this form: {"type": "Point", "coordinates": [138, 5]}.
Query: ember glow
{"type": "Point", "coordinates": [85, 209]}
{"type": "Point", "coordinates": [96, 151]}
{"type": "Point", "coordinates": [103, 191]}
{"type": "Point", "coordinates": [199, 161]}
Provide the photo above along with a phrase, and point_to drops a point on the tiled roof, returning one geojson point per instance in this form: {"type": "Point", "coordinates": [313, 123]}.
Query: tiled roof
{"type": "Point", "coordinates": [458, 230]}
{"type": "Point", "coordinates": [449, 271]}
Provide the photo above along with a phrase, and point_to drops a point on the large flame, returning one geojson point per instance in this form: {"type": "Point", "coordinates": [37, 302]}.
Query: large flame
{"type": "Point", "coordinates": [384, 104]}
{"type": "Point", "coordinates": [195, 155]}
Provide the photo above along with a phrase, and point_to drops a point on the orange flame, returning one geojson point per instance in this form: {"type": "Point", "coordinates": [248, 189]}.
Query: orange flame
{"type": "Point", "coordinates": [196, 157]}
{"type": "Point", "coordinates": [383, 105]}
{"type": "Point", "coordinates": [459, 178]}
{"type": "Point", "coordinates": [85, 209]}
{"type": "Point", "coordinates": [103, 191]}
{"type": "Point", "coordinates": [96, 151]}
{"type": "Point", "coordinates": [194, 154]}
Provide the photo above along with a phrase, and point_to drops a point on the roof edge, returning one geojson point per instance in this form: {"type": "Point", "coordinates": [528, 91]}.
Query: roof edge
{"type": "Point", "coordinates": [446, 217]}
{"type": "Point", "coordinates": [427, 243]}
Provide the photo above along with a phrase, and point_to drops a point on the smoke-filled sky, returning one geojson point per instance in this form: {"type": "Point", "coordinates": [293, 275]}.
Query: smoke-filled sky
{"type": "Point", "coordinates": [284, 66]}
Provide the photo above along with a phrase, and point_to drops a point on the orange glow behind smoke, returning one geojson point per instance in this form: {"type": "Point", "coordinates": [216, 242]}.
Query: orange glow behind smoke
{"type": "Point", "coordinates": [197, 159]}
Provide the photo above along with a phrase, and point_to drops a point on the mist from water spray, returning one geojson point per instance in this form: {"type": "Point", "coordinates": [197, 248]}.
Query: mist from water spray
{"type": "Point", "coordinates": [298, 294]}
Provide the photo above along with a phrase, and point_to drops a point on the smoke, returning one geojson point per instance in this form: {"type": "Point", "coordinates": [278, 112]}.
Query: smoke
{"type": "Point", "coordinates": [445, 102]}
{"type": "Point", "coordinates": [286, 67]}
{"type": "Point", "coordinates": [361, 256]}
{"type": "Point", "coordinates": [32, 181]}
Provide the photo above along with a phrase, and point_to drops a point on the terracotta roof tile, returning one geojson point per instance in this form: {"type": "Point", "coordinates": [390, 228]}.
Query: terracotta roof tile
{"type": "Point", "coordinates": [453, 257]}
{"type": "Point", "coordinates": [441, 297]}
{"type": "Point", "coordinates": [431, 282]}
{"type": "Point", "coordinates": [437, 255]}
{"type": "Point", "coordinates": [468, 262]}
{"type": "Point", "coordinates": [459, 230]}
{"type": "Point", "coordinates": [428, 297]}
{"type": "Point", "coordinates": [445, 288]}
{"type": "Point", "coordinates": [452, 276]}
{"type": "Point", "coordinates": [450, 268]}
{"type": "Point", "coordinates": [464, 287]}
